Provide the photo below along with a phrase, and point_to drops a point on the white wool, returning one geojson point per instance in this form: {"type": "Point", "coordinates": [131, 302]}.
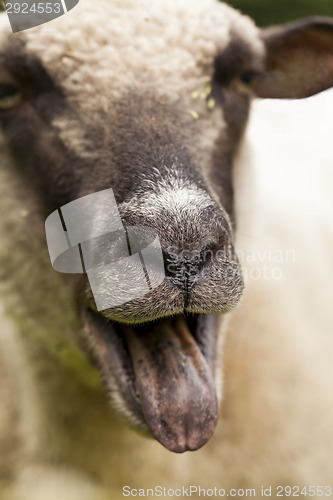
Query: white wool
{"type": "Point", "coordinates": [168, 42]}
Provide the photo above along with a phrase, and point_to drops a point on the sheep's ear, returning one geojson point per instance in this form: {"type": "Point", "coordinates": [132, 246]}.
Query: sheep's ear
{"type": "Point", "coordinates": [299, 59]}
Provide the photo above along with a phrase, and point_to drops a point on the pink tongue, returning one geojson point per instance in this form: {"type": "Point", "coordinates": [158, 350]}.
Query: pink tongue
{"type": "Point", "coordinates": [175, 385]}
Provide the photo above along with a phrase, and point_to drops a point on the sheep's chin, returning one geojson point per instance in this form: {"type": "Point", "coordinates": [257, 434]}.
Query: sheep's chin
{"type": "Point", "coordinates": [160, 375]}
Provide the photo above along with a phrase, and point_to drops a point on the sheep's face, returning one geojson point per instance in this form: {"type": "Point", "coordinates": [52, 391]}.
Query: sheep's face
{"type": "Point", "coordinates": [149, 99]}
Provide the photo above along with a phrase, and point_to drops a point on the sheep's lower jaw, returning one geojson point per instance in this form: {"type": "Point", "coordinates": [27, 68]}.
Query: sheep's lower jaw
{"type": "Point", "coordinates": [160, 375]}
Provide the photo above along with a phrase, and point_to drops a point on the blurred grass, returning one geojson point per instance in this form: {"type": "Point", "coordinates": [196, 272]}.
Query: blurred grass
{"type": "Point", "coordinates": [266, 12]}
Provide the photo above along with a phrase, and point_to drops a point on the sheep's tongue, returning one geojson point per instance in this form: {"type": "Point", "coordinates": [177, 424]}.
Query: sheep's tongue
{"type": "Point", "coordinates": [175, 385]}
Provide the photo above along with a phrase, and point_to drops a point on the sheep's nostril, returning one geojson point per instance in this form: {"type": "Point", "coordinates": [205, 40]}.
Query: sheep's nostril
{"type": "Point", "coordinates": [206, 255]}
{"type": "Point", "coordinates": [186, 263]}
{"type": "Point", "coordinates": [172, 263]}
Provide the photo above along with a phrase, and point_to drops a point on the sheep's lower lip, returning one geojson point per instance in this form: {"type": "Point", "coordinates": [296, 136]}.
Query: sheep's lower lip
{"type": "Point", "coordinates": [160, 375]}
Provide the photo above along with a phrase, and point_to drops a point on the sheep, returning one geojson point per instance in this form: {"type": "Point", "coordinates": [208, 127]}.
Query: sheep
{"type": "Point", "coordinates": [152, 100]}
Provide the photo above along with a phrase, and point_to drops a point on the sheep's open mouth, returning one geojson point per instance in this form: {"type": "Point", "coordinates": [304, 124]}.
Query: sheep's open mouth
{"type": "Point", "coordinates": [161, 375]}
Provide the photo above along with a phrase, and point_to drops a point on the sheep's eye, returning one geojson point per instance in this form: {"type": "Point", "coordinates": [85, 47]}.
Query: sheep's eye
{"type": "Point", "coordinates": [10, 96]}
{"type": "Point", "coordinates": [244, 84]}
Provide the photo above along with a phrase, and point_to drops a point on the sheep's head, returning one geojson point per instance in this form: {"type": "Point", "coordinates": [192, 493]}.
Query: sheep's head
{"type": "Point", "coordinates": [151, 100]}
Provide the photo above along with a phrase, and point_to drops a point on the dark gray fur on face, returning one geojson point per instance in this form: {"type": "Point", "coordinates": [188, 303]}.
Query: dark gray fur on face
{"type": "Point", "coordinates": [143, 147]}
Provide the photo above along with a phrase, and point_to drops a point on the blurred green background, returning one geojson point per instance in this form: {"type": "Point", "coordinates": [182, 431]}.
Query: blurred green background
{"type": "Point", "coordinates": [277, 11]}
